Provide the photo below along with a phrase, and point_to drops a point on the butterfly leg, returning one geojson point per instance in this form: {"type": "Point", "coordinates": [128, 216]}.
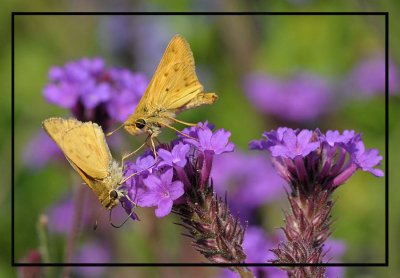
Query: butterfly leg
{"type": "Point", "coordinates": [153, 147]}
{"type": "Point", "coordinates": [179, 121]}
{"type": "Point", "coordinates": [135, 151]}
{"type": "Point", "coordinates": [180, 132]}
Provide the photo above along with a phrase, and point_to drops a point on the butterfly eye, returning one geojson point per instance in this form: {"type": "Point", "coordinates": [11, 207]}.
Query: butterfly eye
{"type": "Point", "coordinates": [113, 194]}
{"type": "Point", "coordinates": [140, 123]}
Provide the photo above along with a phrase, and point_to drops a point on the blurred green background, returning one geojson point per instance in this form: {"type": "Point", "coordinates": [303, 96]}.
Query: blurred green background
{"type": "Point", "coordinates": [226, 48]}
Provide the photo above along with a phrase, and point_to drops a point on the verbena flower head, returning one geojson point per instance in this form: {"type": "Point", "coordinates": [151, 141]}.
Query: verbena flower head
{"type": "Point", "coordinates": [178, 164]}
{"type": "Point", "coordinates": [93, 92]}
{"type": "Point", "coordinates": [309, 158]}
{"type": "Point", "coordinates": [289, 99]}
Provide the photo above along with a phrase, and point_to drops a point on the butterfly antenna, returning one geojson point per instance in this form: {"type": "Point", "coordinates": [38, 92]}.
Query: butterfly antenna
{"type": "Point", "coordinates": [118, 128]}
{"type": "Point", "coordinates": [126, 219]}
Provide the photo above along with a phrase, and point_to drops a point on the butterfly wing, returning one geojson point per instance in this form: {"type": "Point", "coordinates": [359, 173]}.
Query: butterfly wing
{"type": "Point", "coordinates": [56, 128]}
{"type": "Point", "coordinates": [86, 147]}
{"type": "Point", "coordinates": [174, 83]}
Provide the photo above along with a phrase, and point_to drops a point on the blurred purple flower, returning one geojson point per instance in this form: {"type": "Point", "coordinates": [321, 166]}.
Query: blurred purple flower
{"type": "Point", "coordinates": [128, 39]}
{"type": "Point", "coordinates": [92, 252]}
{"type": "Point", "coordinates": [249, 180]}
{"type": "Point", "coordinates": [93, 92]}
{"type": "Point", "coordinates": [368, 77]}
{"type": "Point", "coordinates": [256, 245]}
{"type": "Point", "coordinates": [302, 98]}
{"type": "Point", "coordinates": [61, 216]}
{"type": "Point", "coordinates": [335, 250]}
{"type": "Point", "coordinates": [315, 158]}
{"type": "Point", "coordinates": [40, 150]}
{"type": "Point", "coordinates": [161, 192]}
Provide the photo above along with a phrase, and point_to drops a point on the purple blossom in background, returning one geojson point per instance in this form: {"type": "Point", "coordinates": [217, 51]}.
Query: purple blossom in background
{"type": "Point", "coordinates": [127, 37]}
{"type": "Point", "coordinates": [256, 244]}
{"type": "Point", "coordinates": [93, 92]}
{"type": "Point", "coordinates": [92, 252]}
{"type": "Point", "coordinates": [304, 97]}
{"type": "Point", "coordinates": [249, 180]}
{"type": "Point", "coordinates": [40, 150]}
{"type": "Point", "coordinates": [368, 77]}
{"type": "Point", "coordinates": [61, 216]}
{"type": "Point", "coordinates": [330, 158]}
{"type": "Point", "coordinates": [335, 250]}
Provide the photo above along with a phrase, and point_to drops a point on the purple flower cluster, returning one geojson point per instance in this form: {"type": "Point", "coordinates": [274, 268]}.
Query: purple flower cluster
{"type": "Point", "coordinates": [368, 77]}
{"type": "Point", "coordinates": [289, 99]}
{"type": "Point", "coordinates": [162, 183]}
{"type": "Point", "coordinates": [306, 157]}
{"type": "Point", "coordinates": [93, 92]}
{"type": "Point", "coordinates": [249, 179]}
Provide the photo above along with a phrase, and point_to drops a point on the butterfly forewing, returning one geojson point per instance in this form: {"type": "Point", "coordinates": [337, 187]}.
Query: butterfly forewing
{"type": "Point", "coordinates": [86, 147]}
{"type": "Point", "coordinates": [56, 128]}
{"type": "Point", "coordinates": [167, 81]}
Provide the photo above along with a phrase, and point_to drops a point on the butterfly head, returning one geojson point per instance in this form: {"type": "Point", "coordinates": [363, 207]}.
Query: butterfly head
{"type": "Point", "coordinates": [136, 127]}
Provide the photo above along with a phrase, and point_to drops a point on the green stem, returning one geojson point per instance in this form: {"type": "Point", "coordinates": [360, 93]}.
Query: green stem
{"type": "Point", "coordinates": [43, 238]}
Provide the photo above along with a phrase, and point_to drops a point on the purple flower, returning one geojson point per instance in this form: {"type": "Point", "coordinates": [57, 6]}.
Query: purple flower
{"type": "Point", "coordinates": [368, 77]}
{"type": "Point", "coordinates": [256, 245]}
{"type": "Point", "coordinates": [333, 137]}
{"type": "Point", "coordinates": [367, 159]}
{"type": "Point", "coordinates": [160, 191]}
{"type": "Point", "coordinates": [93, 252]}
{"type": "Point", "coordinates": [128, 89]}
{"type": "Point", "coordinates": [302, 98]}
{"type": "Point", "coordinates": [177, 156]}
{"type": "Point", "coordinates": [335, 249]}
{"type": "Point", "coordinates": [274, 137]}
{"type": "Point", "coordinates": [249, 180]}
{"type": "Point", "coordinates": [207, 141]}
{"type": "Point", "coordinates": [294, 145]}
{"type": "Point", "coordinates": [40, 150]}
{"type": "Point", "coordinates": [179, 165]}
{"type": "Point", "coordinates": [93, 92]}
{"type": "Point", "coordinates": [61, 216]}
{"type": "Point", "coordinates": [313, 158]}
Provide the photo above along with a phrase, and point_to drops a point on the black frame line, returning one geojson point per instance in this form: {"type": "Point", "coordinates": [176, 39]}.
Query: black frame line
{"type": "Point", "coordinates": [371, 264]}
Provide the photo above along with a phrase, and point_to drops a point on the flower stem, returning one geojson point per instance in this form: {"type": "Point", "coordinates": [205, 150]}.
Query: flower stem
{"type": "Point", "coordinates": [43, 238]}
